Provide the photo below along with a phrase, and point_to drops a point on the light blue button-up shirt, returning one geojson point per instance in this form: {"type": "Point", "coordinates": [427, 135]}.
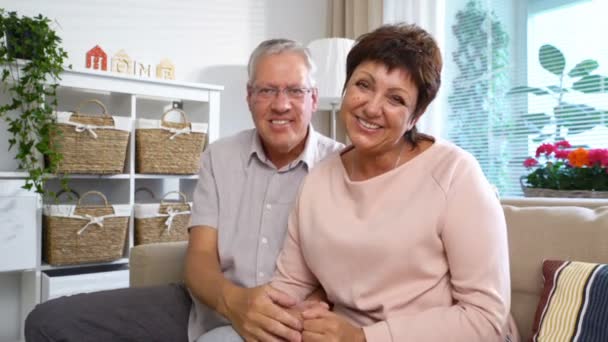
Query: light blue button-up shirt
{"type": "Point", "coordinates": [242, 195]}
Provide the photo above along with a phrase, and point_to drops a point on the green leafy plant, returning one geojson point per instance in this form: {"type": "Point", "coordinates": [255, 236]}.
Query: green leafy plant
{"type": "Point", "coordinates": [576, 117]}
{"type": "Point", "coordinates": [560, 167]}
{"type": "Point", "coordinates": [31, 60]}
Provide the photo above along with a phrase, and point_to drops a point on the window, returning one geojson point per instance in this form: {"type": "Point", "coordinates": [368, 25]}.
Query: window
{"type": "Point", "coordinates": [519, 73]}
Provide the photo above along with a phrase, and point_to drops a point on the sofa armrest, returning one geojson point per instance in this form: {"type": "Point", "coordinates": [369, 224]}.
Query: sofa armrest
{"type": "Point", "coordinates": [157, 264]}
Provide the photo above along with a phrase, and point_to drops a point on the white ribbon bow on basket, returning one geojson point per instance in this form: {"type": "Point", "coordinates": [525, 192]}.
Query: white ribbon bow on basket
{"type": "Point", "coordinates": [176, 132]}
{"type": "Point", "coordinates": [78, 127]}
{"type": "Point", "coordinates": [97, 220]}
{"type": "Point", "coordinates": [89, 128]}
{"type": "Point", "coordinates": [170, 215]}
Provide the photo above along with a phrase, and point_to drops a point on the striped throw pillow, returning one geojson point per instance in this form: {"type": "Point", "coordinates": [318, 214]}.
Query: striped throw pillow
{"type": "Point", "coordinates": [574, 302]}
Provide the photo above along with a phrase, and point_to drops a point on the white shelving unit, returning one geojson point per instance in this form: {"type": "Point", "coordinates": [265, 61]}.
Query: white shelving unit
{"type": "Point", "coordinates": [22, 283]}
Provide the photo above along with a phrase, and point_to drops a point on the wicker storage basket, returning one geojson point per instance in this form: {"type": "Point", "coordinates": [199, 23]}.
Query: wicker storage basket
{"type": "Point", "coordinates": [164, 222]}
{"type": "Point", "coordinates": [84, 233]}
{"type": "Point", "coordinates": [165, 147]}
{"type": "Point", "coordinates": [540, 192]}
{"type": "Point", "coordinates": [91, 144]}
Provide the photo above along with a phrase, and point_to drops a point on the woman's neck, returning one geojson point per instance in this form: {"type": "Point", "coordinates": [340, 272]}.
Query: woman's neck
{"type": "Point", "coordinates": [365, 166]}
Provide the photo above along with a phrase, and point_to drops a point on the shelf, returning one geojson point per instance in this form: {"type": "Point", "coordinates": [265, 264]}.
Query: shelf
{"type": "Point", "coordinates": [47, 267]}
{"type": "Point", "coordinates": [85, 176]}
{"type": "Point", "coordinates": [110, 82]}
{"type": "Point", "coordinates": [142, 87]}
{"type": "Point", "coordinates": [170, 83]}
{"type": "Point", "coordinates": [19, 175]}
{"type": "Point", "coordinates": [135, 98]}
{"type": "Point", "coordinates": [146, 176]}
{"type": "Point", "coordinates": [12, 175]}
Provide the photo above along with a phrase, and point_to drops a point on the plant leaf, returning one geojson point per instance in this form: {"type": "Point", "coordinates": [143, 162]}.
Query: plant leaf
{"type": "Point", "coordinates": [604, 117]}
{"type": "Point", "coordinates": [536, 121]}
{"type": "Point", "coordinates": [542, 138]}
{"type": "Point", "coordinates": [591, 84]}
{"type": "Point", "coordinates": [552, 59]}
{"type": "Point", "coordinates": [577, 117]}
{"type": "Point", "coordinates": [31, 95]}
{"type": "Point", "coordinates": [526, 89]}
{"type": "Point", "coordinates": [557, 89]}
{"type": "Point", "coordinates": [583, 68]}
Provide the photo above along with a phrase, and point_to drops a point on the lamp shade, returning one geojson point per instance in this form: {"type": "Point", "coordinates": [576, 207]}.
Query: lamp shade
{"type": "Point", "coordinates": [329, 54]}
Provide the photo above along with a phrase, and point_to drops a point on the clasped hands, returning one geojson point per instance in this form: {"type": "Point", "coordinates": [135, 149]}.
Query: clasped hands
{"type": "Point", "coordinates": [264, 314]}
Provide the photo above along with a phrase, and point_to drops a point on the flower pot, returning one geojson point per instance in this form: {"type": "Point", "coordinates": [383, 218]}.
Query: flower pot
{"type": "Point", "coordinates": [541, 192]}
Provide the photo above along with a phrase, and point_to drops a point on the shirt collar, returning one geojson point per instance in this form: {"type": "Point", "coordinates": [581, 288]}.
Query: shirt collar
{"type": "Point", "coordinates": [307, 156]}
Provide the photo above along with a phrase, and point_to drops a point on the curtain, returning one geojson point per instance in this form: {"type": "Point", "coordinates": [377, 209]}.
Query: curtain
{"type": "Point", "coordinates": [351, 18]}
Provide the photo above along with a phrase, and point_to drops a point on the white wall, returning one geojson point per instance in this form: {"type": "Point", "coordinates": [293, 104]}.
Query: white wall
{"type": "Point", "coordinates": [209, 41]}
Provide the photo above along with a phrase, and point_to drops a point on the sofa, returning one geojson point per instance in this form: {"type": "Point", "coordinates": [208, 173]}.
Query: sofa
{"type": "Point", "coordinates": [538, 229]}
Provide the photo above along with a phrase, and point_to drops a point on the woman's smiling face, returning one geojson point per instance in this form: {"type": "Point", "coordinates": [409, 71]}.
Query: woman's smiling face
{"type": "Point", "coordinates": [378, 106]}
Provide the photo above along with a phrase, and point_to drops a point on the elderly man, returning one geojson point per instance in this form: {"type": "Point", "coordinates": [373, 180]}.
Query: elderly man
{"type": "Point", "coordinates": [246, 187]}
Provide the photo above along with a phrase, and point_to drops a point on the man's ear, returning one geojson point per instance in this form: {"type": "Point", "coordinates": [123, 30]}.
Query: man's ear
{"type": "Point", "coordinates": [249, 92]}
{"type": "Point", "coordinates": [315, 99]}
{"type": "Point", "coordinates": [249, 98]}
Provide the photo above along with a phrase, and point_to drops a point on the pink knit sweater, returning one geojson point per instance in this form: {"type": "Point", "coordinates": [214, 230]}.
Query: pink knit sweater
{"type": "Point", "coordinates": [418, 253]}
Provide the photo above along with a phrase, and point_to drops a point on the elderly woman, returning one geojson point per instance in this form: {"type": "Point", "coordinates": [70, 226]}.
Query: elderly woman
{"type": "Point", "coordinates": [402, 230]}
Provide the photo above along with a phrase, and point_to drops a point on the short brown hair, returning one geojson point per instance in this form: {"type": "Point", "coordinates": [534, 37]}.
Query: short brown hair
{"type": "Point", "coordinates": [404, 46]}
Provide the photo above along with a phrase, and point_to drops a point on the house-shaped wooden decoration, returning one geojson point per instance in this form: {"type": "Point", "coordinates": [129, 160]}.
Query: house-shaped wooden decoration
{"type": "Point", "coordinates": [97, 59]}
{"type": "Point", "coordinates": [165, 70]}
{"type": "Point", "coordinates": [122, 63]}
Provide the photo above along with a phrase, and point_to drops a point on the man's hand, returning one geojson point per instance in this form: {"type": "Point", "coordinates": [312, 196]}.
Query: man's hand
{"type": "Point", "coordinates": [297, 310]}
{"type": "Point", "coordinates": [260, 314]}
{"type": "Point", "coordinates": [322, 325]}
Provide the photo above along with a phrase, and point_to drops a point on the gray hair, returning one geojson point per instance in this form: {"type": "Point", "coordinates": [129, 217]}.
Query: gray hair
{"type": "Point", "coordinates": [276, 46]}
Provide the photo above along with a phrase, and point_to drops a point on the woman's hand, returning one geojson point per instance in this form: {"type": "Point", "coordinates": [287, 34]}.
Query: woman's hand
{"type": "Point", "coordinates": [322, 325]}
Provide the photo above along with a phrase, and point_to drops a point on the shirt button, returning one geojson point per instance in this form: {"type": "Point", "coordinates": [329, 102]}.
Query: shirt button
{"type": "Point", "coordinates": [261, 274]}
{"type": "Point", "coordinates": [268, 206]}
{"type": "Point", "coordinates": [264, 240]}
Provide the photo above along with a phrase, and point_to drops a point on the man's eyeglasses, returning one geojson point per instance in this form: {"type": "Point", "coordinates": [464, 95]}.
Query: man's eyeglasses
{"type": "Point", "coordinates": [294, 93]}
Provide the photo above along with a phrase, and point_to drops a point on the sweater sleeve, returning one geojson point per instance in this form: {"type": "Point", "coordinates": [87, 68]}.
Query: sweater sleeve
{"type": "Point", "coordinates": [292, 274]}
{"type": "Point", "coordinates": [475, 241]}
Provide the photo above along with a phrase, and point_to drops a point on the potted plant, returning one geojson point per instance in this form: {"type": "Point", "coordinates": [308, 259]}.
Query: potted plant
{"type": "Point", "coordinates": [31, 60]}
{"type": "Point", "coordinates": [566, 113]}
{"type": "Point", "coordinates": [559, 170]}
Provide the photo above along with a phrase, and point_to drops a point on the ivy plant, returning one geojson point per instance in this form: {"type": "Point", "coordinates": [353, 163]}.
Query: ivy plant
{"type": "Point", "coordinates": [31, 60]}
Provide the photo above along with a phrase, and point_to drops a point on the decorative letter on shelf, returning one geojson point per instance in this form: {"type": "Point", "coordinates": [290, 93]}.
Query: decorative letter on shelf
{"type": "Point", "coordinates": [95, 56]}
{"type": "Point", "coordinates": [165, 69]}
{"type": "Point", "coordinates": [122, 63]}
{"type": "Point", "coordinates": [142, 69]}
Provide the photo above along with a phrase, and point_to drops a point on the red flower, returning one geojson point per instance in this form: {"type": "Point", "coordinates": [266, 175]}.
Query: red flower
{"type": "Point", "coordinates": [529, 162]}
{"type": "Point", "coordinates": [547, 149]}
{"type": "Point", "coordinates": [598, 156]}
{"type": "Point", "coordinates": [562, 154]}
{"type": "Point", "coordinates": [562, 144]}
